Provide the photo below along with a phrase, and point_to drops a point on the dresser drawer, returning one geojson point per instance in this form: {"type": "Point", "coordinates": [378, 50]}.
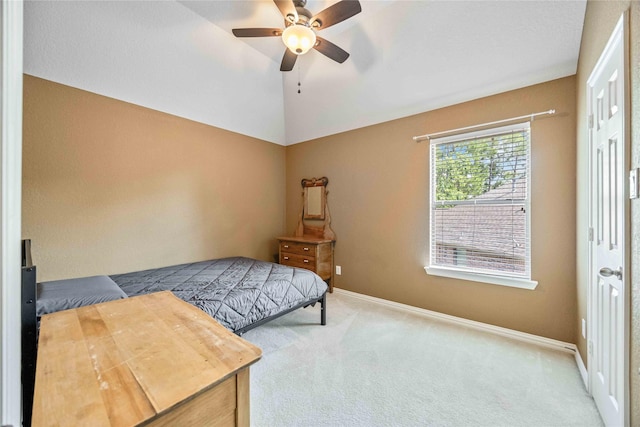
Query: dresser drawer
{"type": "Point", "coordinates": [298, 248]}
{"type": "Point", "coordinates": [311, 253]}
{"type": "Point", "coordinates": [295, 260]}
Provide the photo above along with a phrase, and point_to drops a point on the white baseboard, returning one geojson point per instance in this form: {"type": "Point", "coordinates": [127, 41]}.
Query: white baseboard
{"type": "Point", "coordinates": [497, 330]}
{"type": "Point", "coordinates": [583, 369]}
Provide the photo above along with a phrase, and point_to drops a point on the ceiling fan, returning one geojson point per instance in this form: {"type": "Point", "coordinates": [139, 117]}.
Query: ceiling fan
{"type": "Point", "coordinates": [299, 34]}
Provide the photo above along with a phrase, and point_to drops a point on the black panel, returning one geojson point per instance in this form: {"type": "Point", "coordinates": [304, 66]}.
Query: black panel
{"type": "Point", "coordinates": [29, 337]}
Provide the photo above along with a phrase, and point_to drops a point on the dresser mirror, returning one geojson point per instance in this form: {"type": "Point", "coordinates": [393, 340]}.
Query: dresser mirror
{"type": "Point", "coordinates": [314, 198]}
{"type": "Point", "coordinates": [315, 210]}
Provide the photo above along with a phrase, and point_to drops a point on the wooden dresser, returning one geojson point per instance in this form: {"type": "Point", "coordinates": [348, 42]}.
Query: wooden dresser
{"type": "Point", "coordinates": [154, 360]}
{"type": "Point", "coordinates": [312, 253]}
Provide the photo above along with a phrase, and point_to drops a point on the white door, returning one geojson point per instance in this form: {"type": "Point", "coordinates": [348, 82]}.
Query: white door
{"type": "Point", "coordinates": [608, 312]}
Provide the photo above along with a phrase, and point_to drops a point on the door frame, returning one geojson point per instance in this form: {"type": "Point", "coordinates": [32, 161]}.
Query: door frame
{"type": "Point", "coordinates": [620, 35]}
{"type": "Point", "coordinates": [11, 55]}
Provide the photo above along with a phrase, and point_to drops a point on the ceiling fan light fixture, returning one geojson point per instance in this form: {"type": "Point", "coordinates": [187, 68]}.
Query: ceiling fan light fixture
{"type": "Point", "coordinates": [299, 38]}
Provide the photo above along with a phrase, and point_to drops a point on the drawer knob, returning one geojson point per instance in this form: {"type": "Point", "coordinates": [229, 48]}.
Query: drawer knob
{"type": "Point", "coordinates": [286, 257]}
{"type": "Point", "coordinates": [306, 249]}
{"type": "Point", "coordinates": [286, 246]}
{"type": "Point", "coordinates": [306, 261]}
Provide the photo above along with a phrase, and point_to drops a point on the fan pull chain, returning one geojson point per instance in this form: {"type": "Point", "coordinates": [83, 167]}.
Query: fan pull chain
{"type": "Point", "coordinates": [299, 85]}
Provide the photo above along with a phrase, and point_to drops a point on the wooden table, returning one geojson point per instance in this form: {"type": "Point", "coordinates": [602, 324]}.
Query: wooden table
{"type": "Point", "coordinates": [152, 359]}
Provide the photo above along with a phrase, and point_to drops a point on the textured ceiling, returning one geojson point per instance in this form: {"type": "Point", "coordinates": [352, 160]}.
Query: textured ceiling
{"type": "Point", "coordinates": [406, 57]}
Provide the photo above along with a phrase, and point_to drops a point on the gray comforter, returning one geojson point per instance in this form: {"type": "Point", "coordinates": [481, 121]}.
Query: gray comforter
{"type": "Point", "coordinates": [237, 292]}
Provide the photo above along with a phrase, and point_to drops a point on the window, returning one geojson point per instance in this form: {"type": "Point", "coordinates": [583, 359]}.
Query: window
{"type": "Point", "coordinates": [480, 206]}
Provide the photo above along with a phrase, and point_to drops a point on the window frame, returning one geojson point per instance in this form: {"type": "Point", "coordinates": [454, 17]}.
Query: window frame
{"type": "Point", "coordinates": [506, 279]}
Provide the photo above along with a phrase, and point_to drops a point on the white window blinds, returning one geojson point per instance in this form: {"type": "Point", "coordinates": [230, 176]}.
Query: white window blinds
{"type": "Point", "coordinates": [480, 209]}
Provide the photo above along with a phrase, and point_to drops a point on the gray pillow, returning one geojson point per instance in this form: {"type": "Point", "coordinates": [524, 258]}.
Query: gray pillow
{"type": "Point", "coordinates": [65, 294]}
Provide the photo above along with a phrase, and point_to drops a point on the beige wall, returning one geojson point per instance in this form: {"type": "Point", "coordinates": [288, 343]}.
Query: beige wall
{"type": "Point", "coordinates": [379, 192]}
{"type": "Point", "coordinates": [600, 20]}
{"type": "Point", "coordinates": [111, 187]}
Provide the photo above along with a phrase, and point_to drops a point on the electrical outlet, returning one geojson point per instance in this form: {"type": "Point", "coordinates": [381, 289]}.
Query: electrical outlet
{"type": "Point", "coordinates": [584, 329]}
{"type": "Point", "coordinates": [338, 270]}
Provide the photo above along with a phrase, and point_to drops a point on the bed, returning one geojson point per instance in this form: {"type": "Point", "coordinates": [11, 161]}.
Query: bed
{"type": "Point", "coordinates": [240, 293]}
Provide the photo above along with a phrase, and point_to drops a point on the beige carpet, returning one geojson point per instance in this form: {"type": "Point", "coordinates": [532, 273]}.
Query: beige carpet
{"type": "Point", "coordinates": [373, 365]}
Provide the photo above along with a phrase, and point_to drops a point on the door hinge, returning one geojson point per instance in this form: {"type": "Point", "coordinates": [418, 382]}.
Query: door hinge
{"type": "Point", "coordinates": [590, 120]}
{"type": "Point", "coordinates": [591, 234]}
{"type": "Point", "coordinates": [590, 347]}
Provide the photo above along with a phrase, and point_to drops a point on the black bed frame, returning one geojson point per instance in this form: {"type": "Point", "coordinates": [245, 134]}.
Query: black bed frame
{"type": "Point", "coordinates": [323, 314]}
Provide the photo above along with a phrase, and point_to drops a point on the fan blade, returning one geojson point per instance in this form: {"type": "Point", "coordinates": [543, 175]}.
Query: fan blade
{"type": "Point", "coordinates": [330, 50]}
{"type": "Point", "coordinates": [257, 32]}
{"type": "Point", "coordinates": [287, 7]}
{"type": "Point", "coordinates": [337, 13]}
{"type": "Point", "coordinates": [288, 60]}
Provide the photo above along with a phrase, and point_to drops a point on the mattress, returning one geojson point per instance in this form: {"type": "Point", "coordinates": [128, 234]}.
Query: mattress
{"type": "Point", "coordinates": [237, 291]}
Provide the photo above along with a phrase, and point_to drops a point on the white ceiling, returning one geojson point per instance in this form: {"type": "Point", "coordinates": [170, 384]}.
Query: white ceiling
{"type": "Point", "coordinates": [407, 57]}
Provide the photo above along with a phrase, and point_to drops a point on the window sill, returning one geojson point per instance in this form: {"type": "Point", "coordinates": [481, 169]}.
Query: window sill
{"type": "Point", "coordinates": [482, 278]}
